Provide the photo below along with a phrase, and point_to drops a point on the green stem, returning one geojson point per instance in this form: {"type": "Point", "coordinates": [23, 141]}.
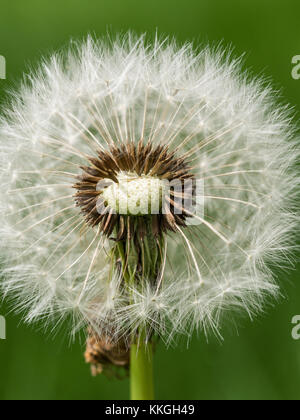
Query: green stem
{"type": "Point", "coordinates": [141, 372]}
{"type": "Point", "coordinates": [132, 256]}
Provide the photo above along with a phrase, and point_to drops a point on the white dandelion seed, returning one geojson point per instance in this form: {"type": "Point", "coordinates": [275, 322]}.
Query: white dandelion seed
{"type": "Point", "coordinates": [131, 111]}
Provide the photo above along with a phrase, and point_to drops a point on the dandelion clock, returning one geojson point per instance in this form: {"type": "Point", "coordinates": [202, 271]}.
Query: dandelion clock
{"type": "Point", "coordinates": [146, 190]}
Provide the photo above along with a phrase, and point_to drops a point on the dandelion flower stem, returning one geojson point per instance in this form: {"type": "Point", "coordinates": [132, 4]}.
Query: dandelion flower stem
{"type": "Point", "coordinates": [141, 371]}
{"type": "Point", "coordinates": [141, 348]}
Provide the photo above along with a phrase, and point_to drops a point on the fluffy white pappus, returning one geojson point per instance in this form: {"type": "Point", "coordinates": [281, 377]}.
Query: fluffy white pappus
{"type": "Point", "coordinates": [241, 144]}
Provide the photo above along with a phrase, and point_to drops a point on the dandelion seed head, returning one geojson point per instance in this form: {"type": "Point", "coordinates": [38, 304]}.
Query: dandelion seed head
{"type": "Point", "coordinates": [137, 114]}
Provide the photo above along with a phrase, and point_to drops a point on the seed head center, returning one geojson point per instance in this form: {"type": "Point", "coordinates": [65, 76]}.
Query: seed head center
{"type": "Point", "coordinates": [135, 195]}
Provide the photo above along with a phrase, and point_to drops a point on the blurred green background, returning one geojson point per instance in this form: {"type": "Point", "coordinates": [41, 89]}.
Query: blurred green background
{"type": "Point", "coordinates": [261, 361]}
